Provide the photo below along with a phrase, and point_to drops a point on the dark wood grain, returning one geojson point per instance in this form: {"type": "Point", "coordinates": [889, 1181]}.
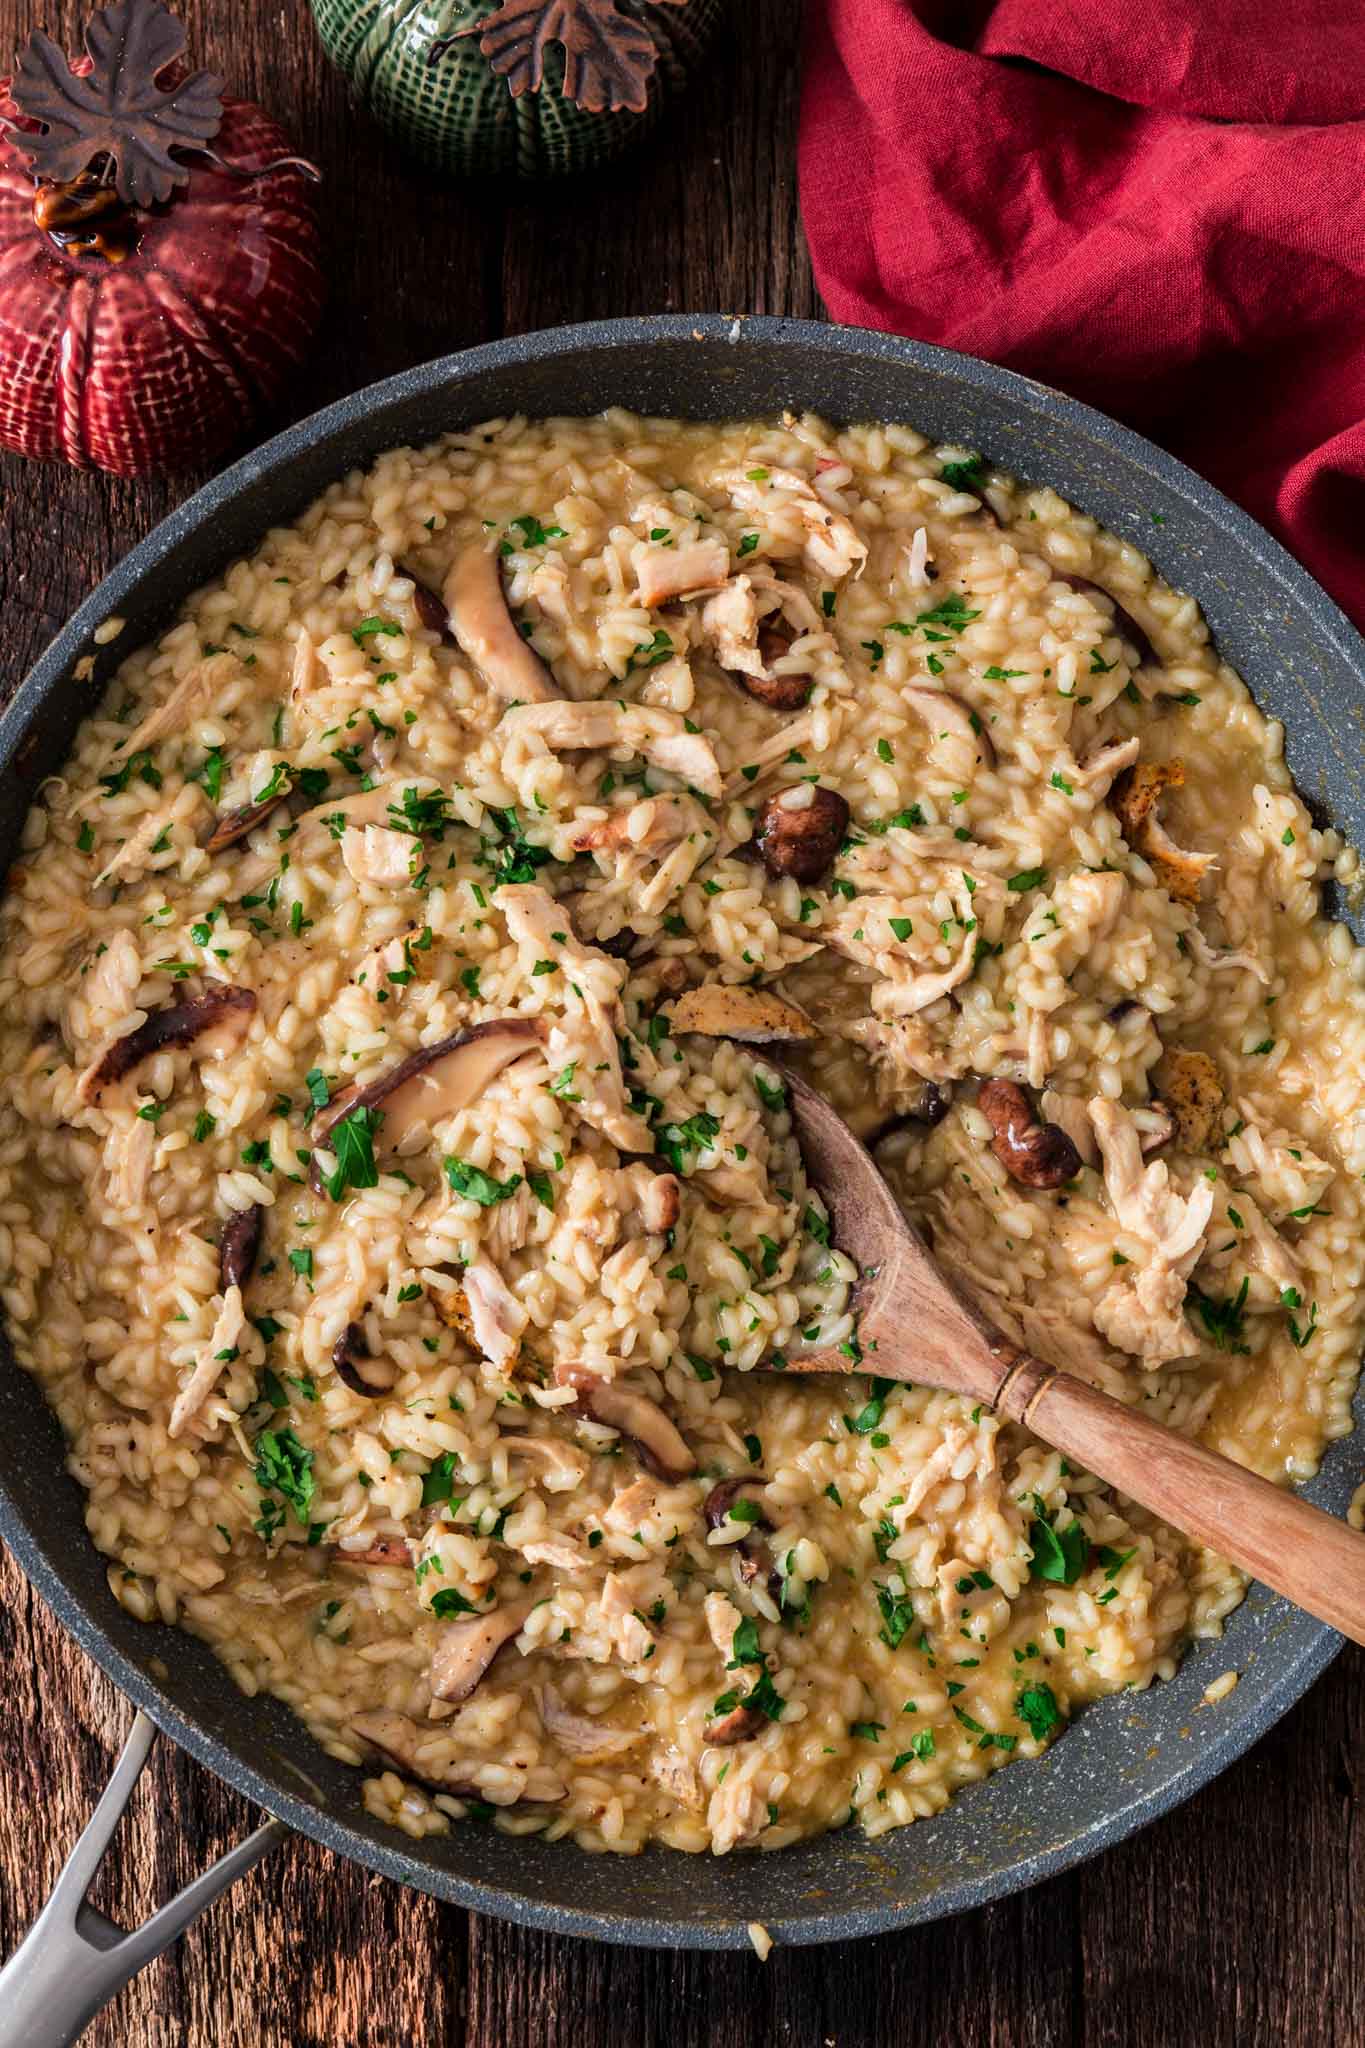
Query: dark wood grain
{"type": "Point", "coordinates": [1237, 1921]}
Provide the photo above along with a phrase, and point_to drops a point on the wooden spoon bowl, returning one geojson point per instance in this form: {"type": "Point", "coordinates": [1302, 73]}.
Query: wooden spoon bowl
{"type": "Point", "coordinates": [914, 1325]}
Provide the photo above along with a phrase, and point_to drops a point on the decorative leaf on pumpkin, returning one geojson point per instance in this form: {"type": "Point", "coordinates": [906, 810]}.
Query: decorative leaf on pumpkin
{"type": "Point", "coordinates": [608, 58]}
{"type": "Point", "coordinates": [119, 110]}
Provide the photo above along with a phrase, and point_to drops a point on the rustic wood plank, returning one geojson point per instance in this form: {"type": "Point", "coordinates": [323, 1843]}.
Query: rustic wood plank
{"type": "Point", "coordinates": [1234, 1921]}
{"type": "Point", "coordinates": [703, 218]}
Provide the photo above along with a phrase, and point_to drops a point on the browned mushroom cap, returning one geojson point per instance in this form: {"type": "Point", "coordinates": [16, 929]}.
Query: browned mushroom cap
{"type": "Point", "coordinates": [384, 1550]}
{"type": "Point", "coordinates": [723, 1495]}
{"type": "Point", "coordinates": [465, 1649]}
{"type": "Point", "coordinates": [1037, 1155]}
{"type": "Point", "coordinates": [352, 1363]}
{"type": "Point", "coordinates": [741, 1724]}
{"type": "Point", "coordinates": [789, 691]}
{"type": "Point", "coordinates": [483, 626]}
{"type": "Point", "coordinates": [238, 1245]}
{"type": "Point", "coordinates": [399, 1739]}
{"type": "Point", "coordinates": [799, 831]}
{"type": "Point", "coordinates": [437, 1080]}
{"type": "Point", "coordinates": [234, 825]}
{"type": "Point", "coordinates": [428, 606]}
{"type": "Point", "coordinates": [656, 1440]}
{"type": "Point", "coordinates": [1123, 619]}
{"type": "Point", "coordinates": [756, 1016]}
{"type": "Point", "coordinates": [217, 1019]}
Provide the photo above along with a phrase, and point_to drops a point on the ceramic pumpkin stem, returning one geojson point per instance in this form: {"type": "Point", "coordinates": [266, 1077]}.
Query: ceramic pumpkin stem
{"type": "Point", "coordinates": [158, 291]}
{"type": "Point", "coordinates": [524, 88]}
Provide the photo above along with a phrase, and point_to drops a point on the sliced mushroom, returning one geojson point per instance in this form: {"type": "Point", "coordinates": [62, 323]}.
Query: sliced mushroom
{"type": "Point", "coordinates": [1192, 1090]}
{"type": "Point", "coordinates": [579, 1735]}
{"type": "Point", "coordinates": [1070, 1114]}
{"type": "Point", "coordinates": [236, 825]}
{"type": "Point", "coordinates": [1037, 1155]}
{"type": "Point", "coordinates": [382, 1550]}
{"type": "Point", "coordinates": [1126, 624]}
{"type": "Point", "coordinates": [477, 607]}
{"type": "Point", "coordinates": [399, 1741]}
{"type": "Point", "coordinates": [799, 831]}
{"type": "Point", "coordinates": [428, 606]}
{"type": "Point", "coordinates": [755, 1016]}
{"type": "Point", "coordinates": [741, 1724]}
{"type": "Point", "coordinates": [436, 1081]}
{"type": "Point", "coordinates": [214, 1022]}
{"type": "Point", "coordinates": [1137, 795]}
{"type": "Point", "coordinates": [658, 1443]}
{"type": "Point", "coordinates": [668, 572]}
{"type": "Point", "coordinates": [352, 1363]}
{"type": "Point", "coordinates": [465, 1649]}
{"type": "Point", "coordinates": [238, 1245]}
{"type": "Point", "coordinates": [723, 1495]}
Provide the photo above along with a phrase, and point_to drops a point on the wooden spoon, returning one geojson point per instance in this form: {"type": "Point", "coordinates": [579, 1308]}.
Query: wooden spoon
{"type": "Point", "coordinates": [913, 1325]}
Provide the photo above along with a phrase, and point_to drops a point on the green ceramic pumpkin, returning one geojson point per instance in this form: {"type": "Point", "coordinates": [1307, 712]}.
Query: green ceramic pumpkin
{"type": "Point", "coordinates": [529, 87]}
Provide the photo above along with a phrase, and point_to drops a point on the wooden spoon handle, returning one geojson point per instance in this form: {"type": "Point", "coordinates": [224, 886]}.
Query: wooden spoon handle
{"type": "Point", "coordinates": [1310, 1557]}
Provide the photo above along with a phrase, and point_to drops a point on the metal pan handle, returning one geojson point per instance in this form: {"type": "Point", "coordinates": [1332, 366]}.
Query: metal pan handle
{"type": "Point", "coordinates": [74, 1959]}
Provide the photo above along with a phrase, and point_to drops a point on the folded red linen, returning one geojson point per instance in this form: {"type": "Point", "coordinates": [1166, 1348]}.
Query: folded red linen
{"type": "Point", "coordinates": [1158, 208]}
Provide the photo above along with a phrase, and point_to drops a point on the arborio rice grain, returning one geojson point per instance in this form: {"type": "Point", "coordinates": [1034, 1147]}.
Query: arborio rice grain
{"type": "Point", "coordinates": [428, 1405]}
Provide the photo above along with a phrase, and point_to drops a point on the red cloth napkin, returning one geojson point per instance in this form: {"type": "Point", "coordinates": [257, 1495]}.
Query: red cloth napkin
{"type": "Point", "coordinates": [1159, 207]}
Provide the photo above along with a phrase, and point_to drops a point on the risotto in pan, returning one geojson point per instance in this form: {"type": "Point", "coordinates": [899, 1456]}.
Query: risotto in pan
{"type": "Point", "coordinates": [398, 1201]}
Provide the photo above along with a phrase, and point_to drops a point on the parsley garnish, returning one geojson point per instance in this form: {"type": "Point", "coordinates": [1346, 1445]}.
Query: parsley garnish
{"type": "Point", "coordinates": [1037, 1707]}
{"type": "Point", "coordinates": [476, 1185]}
{"type": "Point", "coordinates": [351, 1139]}
{"type": "Point", "coordinates": [1059, 1555]}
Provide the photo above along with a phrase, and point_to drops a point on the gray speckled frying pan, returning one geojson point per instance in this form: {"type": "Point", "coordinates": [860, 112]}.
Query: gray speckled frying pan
{"type": "Point", "coordinates": [1126, 1760]}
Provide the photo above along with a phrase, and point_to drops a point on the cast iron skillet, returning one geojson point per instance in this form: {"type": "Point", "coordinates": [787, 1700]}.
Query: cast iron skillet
{"type": "Point", "coordinates": [1126, 1760]}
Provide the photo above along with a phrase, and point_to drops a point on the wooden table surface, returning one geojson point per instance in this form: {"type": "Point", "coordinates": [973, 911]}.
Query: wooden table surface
{"type": "Point", "coordinates": [1235, 1921]}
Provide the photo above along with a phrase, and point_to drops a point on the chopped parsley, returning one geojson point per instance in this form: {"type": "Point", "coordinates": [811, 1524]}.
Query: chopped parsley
{"type": "Point", "coordinates": [1224, 1320]}
{"type": "Point", "coordinates": [1059, 1555]}
{"type": "Point", "coordinates": [284, 1467]}
{"type": "Point", "coordinates": [477, 1186]}
{"type": "Point", "coordinates": [351, 1140]}
{"type": "Point", "coordinates": [679, 1143]}
{"type": "Point", "coordinates": [1037, 1708]}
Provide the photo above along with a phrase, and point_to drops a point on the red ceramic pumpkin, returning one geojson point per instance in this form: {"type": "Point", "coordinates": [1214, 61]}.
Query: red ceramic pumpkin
{"type": "Point", "coordinates": [144, 332]}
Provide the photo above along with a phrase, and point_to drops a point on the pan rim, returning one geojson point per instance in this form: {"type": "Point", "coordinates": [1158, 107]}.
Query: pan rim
{"type": "Point", "coordinates": [1281, 574]}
